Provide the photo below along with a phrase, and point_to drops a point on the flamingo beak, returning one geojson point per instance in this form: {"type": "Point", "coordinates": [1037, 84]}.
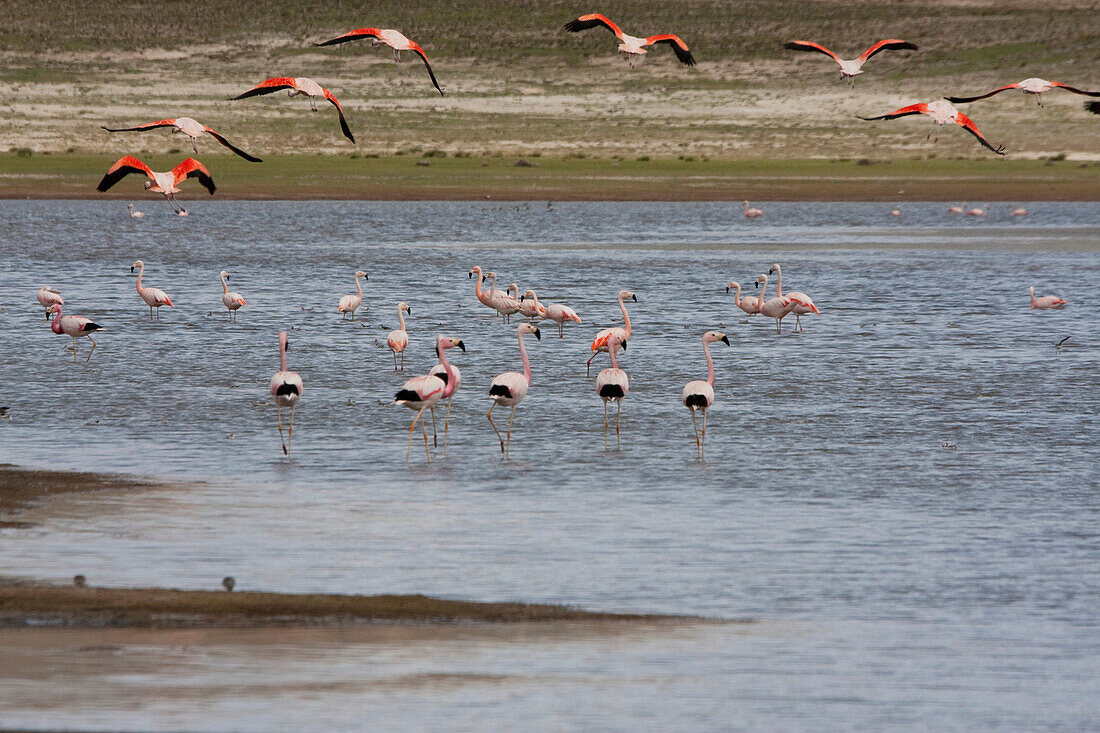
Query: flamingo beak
{"type": "Point", "coordinates": [538, 334]}
{"type": "Point", "coordinates": [461, 345]}
{"type": "Point", "coordinates": [635, 297]}
{"type": "Point", "coordinates": [470, 275]}
{"type": "Point", "coordinates": [131, 269]}
{"type": "Point", "coordinates": [725, 340]}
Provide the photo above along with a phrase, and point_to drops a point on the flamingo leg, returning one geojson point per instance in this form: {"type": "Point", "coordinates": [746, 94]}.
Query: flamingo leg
{"type": "Point", "coordinates": [94, 344]}
{"type": "Point", "coordinates": [605, 424]}
{"type": "Point", "coordinates": [74, 349]}
{"type": "Point", "coordinates": [424, 431]}
{"type": "Point", "coordinates": [618, 417]}
{"type": "Point", "coordinates": [704, 443]}
{"type": "Point", "coordinates": [194, 145]}
{"type": "Point", "coordinates": [588, 364]}
{"type": "Point", "coordinates": [290, 430]}
{"type": "Point", "coordinates": [561, 329]}
{"type": "Point", "coordinates": [394, 359]}
{"type": "Point", "coordinates": [695, 423]}
{"type": "Point", "coordinates": [279, 411]}
{"type": "Point", "coordinates": [402, 361]}
{"type": "Point", "coordinates": [490, 416]}
{"type": "Point", "coordinates": [447, 423]}
{"type": "Point", "coordinates": [412, 427]}
{"type": "Point", "coordinates": [798, 321]}
{"type": "Point", "coordinates": [510, 418]}
{"type": "Point", "coordinates": [435, 438]}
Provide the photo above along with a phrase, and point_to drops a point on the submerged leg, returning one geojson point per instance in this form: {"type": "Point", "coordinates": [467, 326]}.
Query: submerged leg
{"type": "Point", "coordinates": [618, 417]}
{"type": "Point", "coordinates": [282, 442]}
{"type": "Point", "coordinates": [424, 432]}
{"type": "Point", "coordinates": [510, 418]}
{"type": "Point", "coordinates": [490, 416]}
{"type": "Point", "coordinates": [605, 424]}
{"type": "Point", "coordinates": [412, 427]}
{"type": "Point", "coordinates": [94, 344]}
{"type": "Point", "coordinates": [74, 349]}
{"type": "Point", "coordinates": [695, 423]}
{"type": "Point", "coordinates": [435, 437]}
{"type": "Point", "coordinates": [447, 423]}
{"type": "Point", "coordinates": [394, 359]}
{"type": "Point", "coordinates": [702, 447]}
{"type": "Point", "coordinates": [290, 430]}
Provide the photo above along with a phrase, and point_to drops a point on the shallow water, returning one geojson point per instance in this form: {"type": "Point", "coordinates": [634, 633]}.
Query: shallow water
{"type": "Point", "coordinates": [928, 584]}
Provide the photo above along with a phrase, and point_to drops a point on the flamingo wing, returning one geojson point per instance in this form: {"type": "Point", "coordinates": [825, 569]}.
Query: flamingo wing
{"type": "Point", "coordinates": [1075, 90]}
{"type": "Point", "coordinates": [123, 167]}
{"type": "Point", "coordinates": [340, 111]}
{"type": "Point", "coordinates": [913, 109]}
{"type": "Point", "coordinates": [191, 168]}
{"type": "Point", "coordinates": [267, 87]}
{"type": "Point", "coordinates": [681, 48]}
{"type": "Point", "coordinates": [890, 44]}
{"type": "Point", "coordinates": [1093, 107]}
{"type": "Point", "coordinates": [226, 143]}
{"type": "Point", "coordinates": [968, 124]}
{"type": "Point", "coordinates": [420, 52]}
{"type": "Point", "coordinates": [810, 46]}
{"type": "Point", "coordinates": [141, 128]}
{"type": "Point", "coordinates": [592, 20]}
{"type": "Point", "coordinates": [354, 35]}
{"type": "Point", "coordinates": [959, 100]}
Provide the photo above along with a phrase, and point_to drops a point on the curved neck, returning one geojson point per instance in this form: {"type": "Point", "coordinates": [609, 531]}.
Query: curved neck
{"type": "Point", "coordinates": [737, 295]}
{"type": "Point", "coordinates": [282, 356]}
{"type": "Point", "coordinates": [526, 362]}
{"type": "Point", "coordinates": [1032, 292]}
{"type": "Point", "coordinates": [746, 206]}
{"type": "Point", "coordinates": [55, 326]}
{"type": "Point", "coordinates": [449, 388]}
{"type": "Point", "coordinates": [141, 271]}
{"type": "Point", "coordinates": [359, 285]}
{"type": "Point", "coordinates": [710, 363]}
{"type": "Point", "coordinates": [626, 316]}
{"type": "Point", "coordinates": [225, 285]}
{"type": "Point", "coordinates": [763, 290]}
{"type": "Point", "coordinates": [611, 351]}
{"type": "Point", "coordinates": [778, 281]}
{"type": "Point", "coordinates": [401, 317]}
{"type": "Point", "coordinates": [492, 285]}
{"type": "Point", "coordinates": [477, 284]}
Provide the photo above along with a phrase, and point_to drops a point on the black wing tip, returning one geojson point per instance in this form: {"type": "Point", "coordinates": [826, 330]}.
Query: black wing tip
{"type": "Point", "coordinates": [906, 45]}
{"type": "Point", "coordinates": [794, 46]}
{"type": "Point", "coordinates": [574, 26]}
{"type": "Point", "coordinates": [1093, 107]}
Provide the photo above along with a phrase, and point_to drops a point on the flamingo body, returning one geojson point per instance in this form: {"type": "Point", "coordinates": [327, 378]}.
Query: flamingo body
{"type": "Point", "coordinates": [632, 46]}
{"type": "Point", "coordinates": [849, 68]}
{"type": "Point", "coordinates": [1031, 85]}
{"type": "Point", "coordinates": [300, 85]}
{"type": "Point", "coordinates": [751, 213]}
{"type": "Point", "coordinates": [398, 339]}
{"type": "Point", "coordinates": [48, 297]}
{"type": "Point", "coordinates": [559, 314]}
{"type": "Point", "coordinates": [165, 183]}
{"type": "Point", "coordinates": [286, 390]}
{"type": "Point", "coordinates": [191, 128]}
{"type": "Point", "coordinates": [231, 300]}
{"type": "Point", "coordinates": [622, 333]}
{"type": "Point", "coordinates": [350, 303]}
{"type": "Point", "coordinates": [509, 389]}
{"type": "Point", "coordinates": [749, 303]}
{"type": "Point", "coordinates": [942, 113]}
{"type": "Point", "coordinates": [698, 394]}
{"type": "Point", "coordinates": [74, 327]}
{"type": "Point", "coordinates": [1045, 302]}
{"type": "Point", "coordinates": [153, 297]}
{"type": "Point", "coordinates": [612, 385]}
{"type": "Point", "coordinates": [388, 37]}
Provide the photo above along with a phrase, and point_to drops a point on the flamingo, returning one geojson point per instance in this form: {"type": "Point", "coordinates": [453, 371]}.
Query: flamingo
{"type": "Point", "coordinates": [802, 304]}
{"type": "Point", "coordinates": [559, 314]}
{"type": "Point", "coordinates": [530, 307]}
{"type": "Point", "coordinates": [231, 300]}
{"type": "Point", "coordinates": [455, 378]}
{"type": "Point", "coordinates": [153, 297]}
{"type": "Point", "coordinates": [599, 343]}
{"type": "Point", "coordinates": [189, 127]}
{"type": "Point", "coordinates": [74, 326]}
{"type": "Point", "coordinates": [976, 211]}
{"type": "Point", "coordinates": [954, 209]}
{"type": "Point", "coordinates": [895, 212]}
{"type": "Point", "coordinates": [286, 390]}
{"type": "Point", "coordinates": [1043, 302]}
{"type": "Point", "coordinates": [1027, 86]}
{"type": "Point", "coordinates": [509, 389]}
{"type": "Point", "coordinates": [48, 297]}
{"type": "Point", "coordinates": [777, 307]}
{"type": "Point", "coordinates": [631, 46]}
{"type": "Point", "coordinates": [389, 37]}
{"type": "Point", "coordinates": [699, 394]}
{"type": "Point", "coordinates": [422, 393]}
{"type": "Point", "coordinates": [1018, 212]}
{"type": "Point", "coordinates": [299, 85]}
{"type": "Point", "coordinates": [750, 303]}
{"type": "Point", "coordinates": [504, 303]}
{"type": "Point", "coordinates": [752, 213]}
{"type": "Point", "coordinates": [351, 303]}
{"type": "Point", "coordinates": [134, 214]}
{"type": "Point", "coordinates": [1093, 107]}
{"type": "Point", "coordinates": [483, 296]}
{"type": "Point", "coordinates": [849, 68]}
{"type": "Point", "coordinates": [942, 113]}
{"type": "Point", "coordinates": [612, 385]}
{"type": "Point", "coordinates": [166, 183]}
{"type": "Point", "coordinates": [399, 339]}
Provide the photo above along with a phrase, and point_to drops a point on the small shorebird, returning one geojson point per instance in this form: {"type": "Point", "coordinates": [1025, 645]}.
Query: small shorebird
{"type": "Point", "coordinates": [231, 300]}
{"type": "Point", "coordinates": [299, 85]}
{"type": "Point", "coordinates": [942, 113]}
{"type": "Point", "coordinates": [153, 297]}
{"type": "Point", "coordinates": [388, 37]}
{"type": "Point", "coordinates": [189, 127]}
{"type": "Point", "coordinates": [165, 183]}
{"type": "Point", "coordinates": [849, 68]}
{"type": "Point", "coordinates": [698, 395]}
{"type": "Point", "coordinates": [286, 390]}
{"type": "Point", "coordinates": [632, 47]}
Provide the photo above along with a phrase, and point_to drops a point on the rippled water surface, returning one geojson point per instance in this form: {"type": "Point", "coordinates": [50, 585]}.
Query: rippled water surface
{"type": "Point", "coordinates": [905, 494]}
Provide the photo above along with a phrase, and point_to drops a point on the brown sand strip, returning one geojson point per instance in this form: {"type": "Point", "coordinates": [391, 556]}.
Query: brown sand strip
{"type": "Point", "coordinates": [20, 488]}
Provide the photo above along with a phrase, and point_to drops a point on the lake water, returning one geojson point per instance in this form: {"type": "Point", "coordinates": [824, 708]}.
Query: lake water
{"type": "Point", "coordinates": [905, 495]}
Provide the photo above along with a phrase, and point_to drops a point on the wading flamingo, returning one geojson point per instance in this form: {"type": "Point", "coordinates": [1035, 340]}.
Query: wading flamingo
{"type": "Point", "coordinates": [153, 297]}
{"type": "Point", "coordinates": [777, 307]}
{"type": "Point", "coordinates": [612, 385]}
{"type": "Point", "coordinates": [954, 209]}
{"type": "Point", "coordinates": [74, 326]}
{"type": "Point", "coordinates": [632, 47]}
{"type": "Point", "coordinates": [1018, 212]}
{"type": "Point", "coordinates": [1027, 86]}
{"type": "Point", "coordinates": [351, 303]}
{"type": "Point", "coordinates": [389, 37]}
{"type": "Point", "coordinates": [399, 339]}
{"type": "Point", "coordinates": [849, 68]}
{"type": "Point", "coordinates": [599, 343]}
{"type": "Point", "coordinates": [699, 394]}
{"type": "Point", "coordinates": [189, 127]}
{"type": "Point", "coordinates": [231, 300]}
{"type": "Point", "coordinates": [942, 113]}
{"type": "Point", "coordinates": [509, 389]}
{"type": "Point", "coordinates": [977, 211]}
{"type": "Point", "coordinates": [752, 213]}
{"type": "Point", "coordinates": [895, 212]}
{"type": "Point", "coordinates": [453, 382]}
{"type": "Point", "coordinates": [1045, 302]}
{"type": "Point", "coordinates": [48, 297]}
{"type": "Point", "coordinates": [286, 390]}
{"type": "Point", "coordinates": [750, 303]}
{"type": "Point", "coordinates": [504, 303]}
{"type": "Point", "coordinates": [559, 314]}
{"type": "Point", "coordinates": [802, 304]}
{"type": "Point", "coordinates": [299, 85]}
{"type": "Point", "coordinates": [423, 392]}
{"type": "Point", "coordinates": [530, 307]}
{"type": "Point", "coordinates": [483, 296]}
{"type": "Point", "coordinates": [134, 214]}
{"type": "Point", "coordinates": [165, 183]}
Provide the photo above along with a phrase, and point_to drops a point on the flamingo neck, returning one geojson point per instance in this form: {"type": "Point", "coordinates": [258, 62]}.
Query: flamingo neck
{"type": "Point", "coordinates": [492, 286]}
{"type": "Point", "coordinates": [449, 388]}
{"type": "Point", "coordinates": [55, 326]}
{"type": "Point", "coordinates": [611, 351]}
{"type": "Point", "coordinates": [626, 316]}
{"type": "Point", "coordinates": [477, 285]}
{"type": "Point", "coordinates": [141, 271]}
{"type": "Point", "coordinates": [526, 361]}
{"type": "Point", "coordinates": [763, 290]}
{"type": "Point", "coordinates": [778, 281]}
{"type": "Point", "coordinates": [1032, 292]}
{"type": "Point", "coordinates": [359, 286]}
{"type": "Point", "coordinates": [737, 295]}
{"type": "Point", "coordinates": [282, 356]}
{"type": "Point", "coordinates": [401, 317]}
{"type": "Point", "coordinates": [225, 286]}
{"type": "Point", "coordinates": [710, 363]}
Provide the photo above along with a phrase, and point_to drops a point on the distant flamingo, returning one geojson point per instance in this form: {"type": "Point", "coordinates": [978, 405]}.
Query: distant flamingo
{"type": "Point", "coordinates": [483, 296]}
{"type": "Point", "coordinates": [612, 385]}
{"type": "Point", "coordinates": [286, 390]}
{"type": "Point", "coordinates": [801, 305]}
{"type": "Point", "coordinates": [777, 307]}
{"type": "Point", "coordinates": [599, 343]}
{"type": "Point", "coordinates": [299, 85]}
{"type": "Point", "coordinates": [954, 209]}
{"type": "Point", "coordinates": [231, 300]}
{"type": "Point", "coordinates": [699, 394]}
{"type": "Point", "coordinates": [509, 389]}
{"type": "Point", "coordinates": [453, 382]}
{"type": "Point", "coordinates": [422, 393]}
{"type": "Point", "coordinates": [153, 297]}
{"type": "Point", "coordinates": [851, 67]}
{"type": "Point", "coordinates": [752, 213]}
{"type": "Point", "coordinates": [1018, 212]}
{"type": "Point", "coordinates": [189, 127]}
{"type": "Point", "coordinates": [750, 303]}
{"type": "Point", "coordinates": [559, 314]}
{"type": "Point", "coordinates": [134, 214]}
{"type": "Point", "coordinates": [75, 327]}
{"type": "Point", "coordinates": [895, 212]}
{"type": "Point", "coordinates": [48, 297]}
{"type": "Point", "coordinates": [632, 47]}
{"type": "Point", "coordinates": [399, 339]}
{"type": "Point", "coordinates": [165, 183]}
{"type": "Point", "coordinates": [505, 304]}
{"type": "Point", "coordinates": [942, 113]}
{"type": "Point", "coordinates": [351, 303]}
{"type": "Point", "coordinates": [978, 211]}
{"type": "Point", "coordinates": [389, 37]}
{"type": "Point", "coordinates": [1027, 86]}
{"type": "Point", "coordinates": [1045, 302]}
{"type": "Point", "coordinates": [530, 307]}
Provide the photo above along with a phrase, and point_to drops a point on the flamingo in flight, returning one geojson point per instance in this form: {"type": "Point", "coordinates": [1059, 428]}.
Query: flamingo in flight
{"type": "Point", "coordinates": [153, 297]}
{"type": "Point", "coordinates": [423, 392]}
{"type": "Point", "coordinates": [849, 68]}
{"type": "Point", "coordinates": [751, 213]}
{"type": "Point", "coordinates": [802, 304]}
{"type": "Point", "coordinates": [75, 327]}
{"type": "Point", "coordinates": [189, 127]}
{"type": "Point", "coordinates": [1045, 302]}
{"type": "Point", "coordinates": [399, 339]}
{"type": "Point", "coordinates": [231, 300]}
{"type": "Point", "coordinates": [296, 86]}
{"type": "Point", "coordinates": [389, 37]}
{"type": "Point", "coordinates": [612, 385]}
{"type": "Point", "coordinates": [1027, 86]}
{"type": "Point", "coordinates": [165, 183]}
{"type": "Point", "coordinates": [599, 343]}
{"type": "Point", "coordinates": [48, 297]}
{"type": "Point", "coordinates": [942, 113]}
{"type": "Point", "coordinates": [509, 389]}
{"type": "Point", "coordinates": [286, 390]}
{"type": "Point", "coordinates": [559, 313]}
{"type": "Point", "coordinates": [351, 303]}
{"type": "Point", "coordinates": [698, 395]}
{"type": "Point", "coordinates": [750, 303]}
{"type": "Point", "coordinates": [631, 46]}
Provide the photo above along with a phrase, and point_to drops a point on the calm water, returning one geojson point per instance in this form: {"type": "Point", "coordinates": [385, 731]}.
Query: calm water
{"type": "Point", "coordinates": [897, 582]}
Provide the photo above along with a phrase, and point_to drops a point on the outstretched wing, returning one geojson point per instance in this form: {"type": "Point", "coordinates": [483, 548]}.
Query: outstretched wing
{"type": "Point", "coordinates": [141, 128]}
{"type": "Point", "coordinates": [191, 168]}
{"type": "Point", "coordinates": [420, 52]}
{"type": "Point", "coordinates": [968, 124]}
{"type": "Point", "coordinates": [354, 35]}
{"type": "Point", "coordinates": [810, 46]}
{"type": "Point", "coordinates": [1075, 90]}
{"type": "Point", "coordinates": [681, 48]}
{"type": "Point", "coordinates": [890, 44]}
{"type": "Point", "coordinates": [592, 20]}
{"type": "Point", "coordinates": [1093, 107]}
{"type": "Point", "coordinates": [959, 100]}
{"type": "Point", "coordinates": [226, 143]}
{"type": "Point", "coordinates": [339, 111]}
{"type": "Point", "coordinates": [123, 167]}
{"type": "Point", "coordinates": [913, 109]}
{"type": "Point", "coordinates": [267, 87]}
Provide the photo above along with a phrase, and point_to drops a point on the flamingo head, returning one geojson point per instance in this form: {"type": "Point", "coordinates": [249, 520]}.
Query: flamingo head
{"type": "Point", "coordinates": [761, 279]}
{"type": "Point", "coordinates": [137, 265]}
{"type": "Point", "coordinates": [445, 342]}
{"type": "Point", "coordinates": [473, 270]}
{"type": "Point", "coordinates": [529, 294]}
{"type": "Point", "coordinates": [624, 294]}
{"type": "Point", "coordinates": [360, 273]}
{"type": "Point", "coordinates": [404, 307]}
{"type": "Point", "coordinates": [1030, 290]}
{"type": "Point", "coordinates": [711, 337]}
{"type": "Point", "coordinates": [529, 328]}
{"type": "Point", "coordinates": [224, 275]}
{"type": "Point", "coordinates": [733, 285]}
{"type": "Point", "coordinates": [774, 269]}
{"type": "Point", "coordinates": [57, 307]}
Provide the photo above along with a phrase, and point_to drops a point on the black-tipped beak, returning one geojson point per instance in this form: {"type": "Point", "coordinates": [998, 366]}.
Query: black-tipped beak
{"type": "Point", "coordinates": [725, 340]}
{"type": "Point", "coordinates": [635, 297]}
{"type": "Point", "coordinates": [131, 268]}
{"type": "Point", "coordinates": [727, 289]}
{"type": "Point", "coordinates": [521, 298]}
{"type": "Point", "coordinates": [538, 334]}
{"type": "Point", "coordinates": [471, 275]}
{"type": "Point", "coordinates": [408, 310]}
{"type": "Point", "coordinates": [366, 277]}
{"type": "Point", "coordinates": [757, 286]}
{"type": "Point", "coordinates": [461, 345]}
{"type": "Point", "coordinates": [622, 345]}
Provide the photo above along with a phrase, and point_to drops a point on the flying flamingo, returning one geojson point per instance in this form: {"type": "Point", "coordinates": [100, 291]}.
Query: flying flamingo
{"type": "Point", "coordinates": [1027, 86]}
{"type": "Point", "coordinates": [74, 326]}
{"type": "Point", "coordinates": [455, 379]}
{"type": "Point", "coordinates": [699, 394]}
{"type": "Point", "coordinates": [530, 307]}
{"type": "Point", "coordinates": [612, 385]}
{"type": "Point", "coordinates": [153, 297]}
{"type": "Point", "coordinates": [631, 46]}
{"type": "Point", "coordinates": [559, 314]}
{"type": "Point", "coordinates": [750, 303]}
{"type": "Point", "coordinates": [849, 68]}
{"type": "Point", "coordinates": [189, 127]}
{"type": "Point", "coordinates": [1018, 212]}
{"type": "Point", "coordinates": [977, 211]}
{"type": "Point", "coordinates": [777, 307]}
{"type": "Point", "coordinates": [752, 213]}
{"type": "Point", "coordinates": [351, 303]}
{"type": "Point", "coordinates": [231, 300]}
{"type": "Point", "coordinates": [399, 339]}
{"type": "Point", "coordinates": [300, 85]}
{"type": "Point", "coordinates": [509, 389]}
{"type": "Point", "coordinates": [599, 343]}
{"type": "Point", "coordinates": [482, 295]}
{"type": "Point", "coordinates": [423, 392]}
{"type": "Point", "coordinates": [134, 214]}
{"type": "Point", "coordinates": [1043, 302]}
{"type": "Point", "coordinates": [942, 113]}
{"type": "Point", "coordinates": [389, 37]}
{"type": "Point", "coordinates": [802, 303]}
{"type": "Point", "coordinates": [166, 183]}
{"type": "Point", "coordinates": [286, 390]}
{"type": "Point", "coordinates": [48, 297]}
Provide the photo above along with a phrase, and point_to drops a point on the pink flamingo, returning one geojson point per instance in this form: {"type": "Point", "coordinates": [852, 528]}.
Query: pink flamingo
{"type": "Point", "coordinates": [942, 113]}
{"type": "Point", "coordinates": [286, 390]}
{"type": "Point", "coordinates": [777, 307]}
{"type": "Point", "coordinates": [559, 314]}
{"type": "Point", "coordinates": [165, 183]}
{"type": "Point", "coordinates": [189, 127]}
{"type": "Point", "coordinates": [389, 37]}
{"type": "Point", "coordinates": [802, 304]}
{"type": "Point", "coordinates": [423, 392]}
{"type": "Point", "coordinates": [954, 209]}
{"type": "Point", "coordinates": [978, 211]}
{"type": "Point", "coordinates": [631, 46]}
{"type": "Point", "coordinates": [134, 214]}
{"type": "Point", "coordinates": [453, 382]}
{"type": "Point", "coordinates": [849, 68]}
{"type": "Point", "coordinates": [399, 339]}
{"type": "Point", "coordinates": [74, 326]}
{"type": "Point", "coordinates": [231, 300]}
{"type": "Point", "coordinates": [509, 389]}
{"type": "Point", "coordinates": [699, 394]}
{"type": "Point", "coordinates": [612, 385]}
{"type": "Point", "coordinates": [599, 343]}
{"type": "Point", "coordinates": [351, 303]}
{"type": "Point", "coordinates": [1027, 86]}
{"type": "Point", "coordinates": [504, 303]}
{"type": "Point", "coordinates": [750, 303]}
{"type": "Point", "coordinates": [482, 295]}
{"type": "Point", "coordinates": [1045, 302]}
{"type": "Point", "coordinates": [296, 86]}
{"type": "Point", "coordinates": [153, 297]}
{"type": "Point", "coordinates": [752, 213]}
{"type": "Point", "coordinates": [48, 297]}
{"type": "Point", "coordinates": [530, 307]}
{"type": "Point", "coordinates": [1018, 212]}
{"type": "Point", "coordinates": [895, 212]}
